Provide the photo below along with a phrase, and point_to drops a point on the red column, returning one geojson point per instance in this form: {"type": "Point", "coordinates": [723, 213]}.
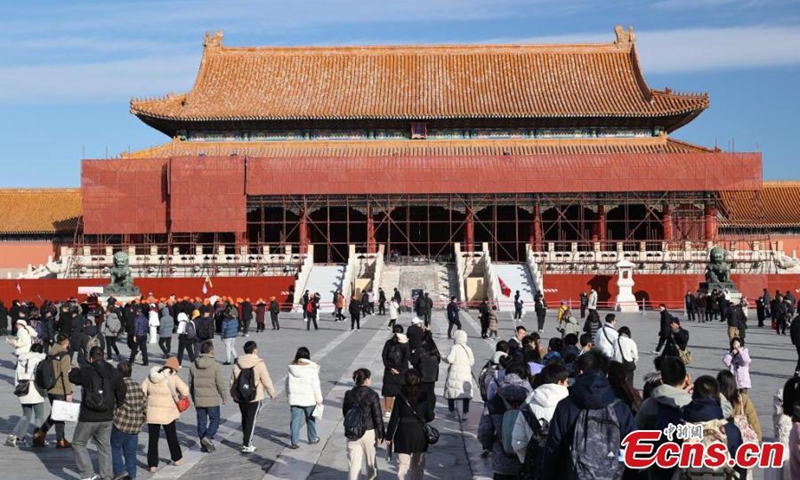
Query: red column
{"type": "Point", "coordinates": [303, 228]}
{"type": "Point", "coordinates": [241, 240]}
{"type": "Point", "coordinates": [469, 231]}
{"type": "Point", "coordinates": [666, 222]}
{"type": "Point", "coordinates": [371, 243]}
{"type": "Point", "coordinates": [536, 229]}
{"type": "Point", "coordinates": [599, 225]}
{"type": "Point", "coordinates": [709, 223]}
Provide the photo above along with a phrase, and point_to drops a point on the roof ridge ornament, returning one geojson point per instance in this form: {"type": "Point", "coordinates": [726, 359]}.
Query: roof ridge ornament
{"type": "Point", "coordinates": [213, 41]}
{"type": "Point", "coordinates": [624, 36]}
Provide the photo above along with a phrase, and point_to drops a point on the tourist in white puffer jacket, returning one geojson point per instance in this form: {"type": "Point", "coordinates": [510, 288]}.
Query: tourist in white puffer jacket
{"type": "Point", "coordinates": [552, 388]}
{"type": "Point", "coordinates": [304, 392]}
{"type": "Point", "coordinates": [33, 402]}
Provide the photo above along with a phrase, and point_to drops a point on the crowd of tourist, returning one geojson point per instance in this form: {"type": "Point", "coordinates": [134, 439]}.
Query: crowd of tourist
{"type": "Point", "coordinates": [571, 401]}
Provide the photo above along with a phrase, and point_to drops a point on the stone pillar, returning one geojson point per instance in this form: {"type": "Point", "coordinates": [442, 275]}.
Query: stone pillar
{"type": "Point", "coordinates": [371, 243]}
{"type": "Point", "coordinates": [303, 229]}
{"type": "Point", "coordinates": [709, 223]}
{"type": "Point", "coordinates": [666, 222]}
{"type": "Point", "coordinates": [536, 229]}
{"type": "Point", "coordinates": [469, 231]}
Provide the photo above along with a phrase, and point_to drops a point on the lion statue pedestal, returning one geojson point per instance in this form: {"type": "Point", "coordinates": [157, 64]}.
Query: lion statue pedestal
{"type": "Point", "coordinates": [121, 286]}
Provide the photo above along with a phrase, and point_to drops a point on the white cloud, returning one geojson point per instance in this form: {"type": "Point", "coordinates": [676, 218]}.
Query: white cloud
{"type": "Point", "coordinates": [96, 82]}
{"type": "Point", "coordinates": [698, 49]}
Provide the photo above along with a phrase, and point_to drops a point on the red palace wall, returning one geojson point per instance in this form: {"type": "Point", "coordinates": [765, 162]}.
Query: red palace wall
{"type": "Point", "coordinates": [253, 287]}
{"type": "Point", "coordinates": [15, 255]}
{"type": "Point", "coordinates": [655, 289]}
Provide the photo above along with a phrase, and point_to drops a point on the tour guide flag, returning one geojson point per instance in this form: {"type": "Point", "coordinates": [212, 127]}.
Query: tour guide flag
{"type": "Point", "coordinates": [504, 288]}
{"type": "Point", "coordinates": [207, 285]}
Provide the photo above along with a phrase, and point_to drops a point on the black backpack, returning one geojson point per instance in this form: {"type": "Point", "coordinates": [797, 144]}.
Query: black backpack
{"type": "Point", "coordinates": [190, 331]}
{"type": "Point", "coordinates": [395, 355]}
{"type": "Point", "coordinates": [45, 376]}
{"type": "Point", "coordinates": [532, 467]}
{"type": "Point", "coordinates": [96, 394]}
{"type": "Point", "coordinates": [245, 388]}
{"type": "Point", "coordinates": [205, 328]}
{"type": "Point", "coordinates": [353, 423]}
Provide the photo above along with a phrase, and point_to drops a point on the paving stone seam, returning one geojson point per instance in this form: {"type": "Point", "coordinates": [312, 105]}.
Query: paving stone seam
{"type": "Point", "coordinates": [193, 456]}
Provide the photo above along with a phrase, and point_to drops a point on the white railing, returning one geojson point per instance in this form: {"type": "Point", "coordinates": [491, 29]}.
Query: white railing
{"type": "Point", "coordinates": [533, 270]}
{"type": "Point", "coordinates": [665, 261]}
{"type": "Point", "coordinates": [461, 274]}
{"type": "Point", "coordinates": [302, 278]}
{"type": "Point", "coordinates": [377, 273]}
{"type": "Point", "coordinates": [350, 271]}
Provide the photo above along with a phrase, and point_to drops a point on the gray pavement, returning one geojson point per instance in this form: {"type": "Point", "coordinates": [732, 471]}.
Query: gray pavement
{"type": "Point", "coordinates": [340, 351]}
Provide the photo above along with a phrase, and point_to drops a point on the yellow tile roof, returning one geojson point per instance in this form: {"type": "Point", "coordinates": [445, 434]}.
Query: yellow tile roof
{"type": "Point", "coordinates": [411, 148]}
{"type": "Point", "coordinates": [777, 205]}
{"type": "Point", "coordinates": [421, 82]}
{"type": "Point", "coordinates": [40, 211]}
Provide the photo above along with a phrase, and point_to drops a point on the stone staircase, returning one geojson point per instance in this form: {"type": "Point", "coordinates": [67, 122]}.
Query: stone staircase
{"type": "Point", "coordinates": [433, 278]}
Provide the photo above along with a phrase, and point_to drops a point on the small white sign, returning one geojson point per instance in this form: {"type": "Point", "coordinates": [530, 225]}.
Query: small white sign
{"type": "Point", "coordinates": [90, 290]}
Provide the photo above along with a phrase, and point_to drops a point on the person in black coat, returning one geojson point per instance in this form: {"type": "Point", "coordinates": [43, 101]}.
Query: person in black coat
{"type": "Point", "coordinates": [381, 302]}
{"type": "Point", "coordinates": [663, 331]}
{"type": "Point", "coordinates": [425, 360]}
{"type": "Point", "coordinates": [395, 357]}
{"type": "Point", "coordinates": [761, 312]}
{"type": "Point", "coordinates": [3, 318]}
{"type": "Point", "coordinates": [690, 305]}
{"type": "Point", "coordinates": [369, 404]}
{"type": "Point", "coordinates": [794, 332]}
{"type": "Point", "coordinates": [676, 340]}
{"type": "Point", "coordinates": [453, 319]}
{"type": "Point", "coordinates": [483, 316]}
{"type": "Point", "coordinates": [247, 316]}
{"type": "Point", "coordinates": [355, 313]}
{"type": "Point", "coordinates": [274, 310]}
{"type": "Point", "coordinates": [591, 391]}
{"type": "Point", "coordinates": [406, 431]}
{"type": "Point", "coordinates": [415, 334]}
{"type": "Point", "coordinates": [93, 423]}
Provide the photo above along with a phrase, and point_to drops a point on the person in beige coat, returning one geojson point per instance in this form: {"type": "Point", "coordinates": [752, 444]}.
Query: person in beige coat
{"type": "Point", "coordinates": [161, 387]}
{"type": "Point", "coordinates": [263, 384]}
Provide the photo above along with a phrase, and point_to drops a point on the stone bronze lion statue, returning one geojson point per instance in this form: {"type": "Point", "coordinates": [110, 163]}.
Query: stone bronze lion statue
{"type": "Point", "coordinates": [717, 270]}
{"type": "Point", "coordinates": [121, 278]}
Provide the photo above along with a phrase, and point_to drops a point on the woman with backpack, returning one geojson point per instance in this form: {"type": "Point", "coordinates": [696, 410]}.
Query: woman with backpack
{"type": "Point", "coordinates": [111, 329]}
{"type": "Point", "coordinates": [163, 388]}
{"type": "Point", "coordinates": [426, 360]}
{"type": "Point", "coordinates": [406, 434]}
{"type": "Point", "coordinates": [569, 324]}
{"type": "Point", "coordinates": [459, 375]}
{"type": "Point", "coordinates": [396, 356]}
{"type": "Point", "coordinates": [304, 392]}
{"type": "Point", "coordinates": [496, 429]}
{"type": "Point", "coordinates": [740, 403]}
{"type": "Point", "coordinates": [365, 403]}
{"type": "Point", "coordinates": [30, 396]}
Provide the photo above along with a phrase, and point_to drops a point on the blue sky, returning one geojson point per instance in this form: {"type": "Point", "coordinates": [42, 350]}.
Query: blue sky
{"type": "Point", "coordinates": [69, 69]}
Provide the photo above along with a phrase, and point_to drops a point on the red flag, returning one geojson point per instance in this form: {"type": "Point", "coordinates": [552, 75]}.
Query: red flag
{"type": "Point", "coordinates": [504, 288]}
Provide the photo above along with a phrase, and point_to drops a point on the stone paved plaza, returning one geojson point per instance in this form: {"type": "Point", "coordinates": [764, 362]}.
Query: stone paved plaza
{"type": "Point", "coordinates": [340, 351]}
